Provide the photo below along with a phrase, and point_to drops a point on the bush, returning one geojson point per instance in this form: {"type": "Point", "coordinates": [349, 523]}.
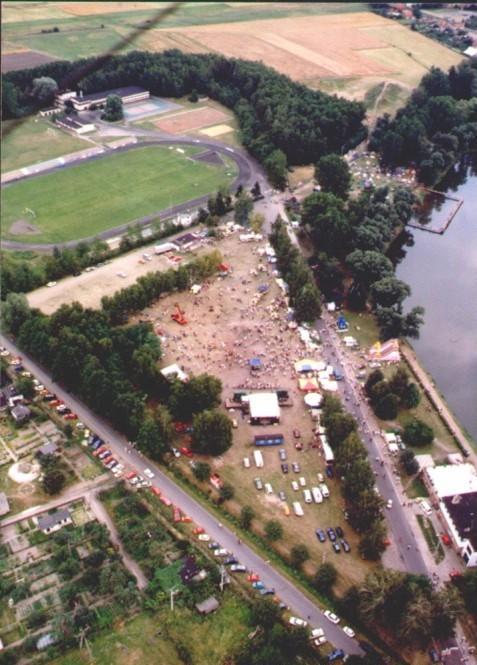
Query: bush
{"type": "Point", "coordinates": [273, 530]}
{"type": "Point", "coordinates": [247, 514]}
{"type": "Point", "coordinates": [418, 433]}
{"type": "Point", "coordinates": [325, 578]}
{"type": "Point", "coordinates": [298, 555]}
{"type": "Point", "coordinates": [202, 471]}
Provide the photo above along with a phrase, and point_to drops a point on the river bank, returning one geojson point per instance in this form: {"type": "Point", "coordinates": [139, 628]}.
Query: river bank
{"type": "Point", "coordinates": [442, 273]}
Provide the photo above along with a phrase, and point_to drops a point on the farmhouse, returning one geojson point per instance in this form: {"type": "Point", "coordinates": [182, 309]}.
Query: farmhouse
{"type": "Point", "coordinates": [76, 125]}
{"type": "Point", "coordinates": [54, 521]}
{"type": "Point", "coordinates": [82, 102]}
{"type": "Point", "coordinates": [264, 408]}
{"type": "Point", "coordinates": [20, 413]}
{"type": "Point", "coordinates": [454, 488]}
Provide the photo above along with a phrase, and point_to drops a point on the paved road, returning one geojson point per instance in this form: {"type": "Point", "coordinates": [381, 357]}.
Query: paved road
{"type": "Point", "coordinates": [298, 602]}
{"type": "Point", "coordinates": [249, 171]}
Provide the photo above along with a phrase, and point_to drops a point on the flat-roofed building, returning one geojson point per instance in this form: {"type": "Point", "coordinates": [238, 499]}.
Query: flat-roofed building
{"type": "Point", "coordinates": [81, 102]}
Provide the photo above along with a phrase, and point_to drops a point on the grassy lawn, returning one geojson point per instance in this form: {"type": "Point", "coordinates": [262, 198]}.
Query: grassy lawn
{"type": "Point", "coordinates": [35, 140]}
{"type": "Point", "coordinates": [362, 327]}
{"type": "Point", "coordinates": [416, 489]}
{"type": "Point", "coordinates": [108, 192]}
{"type": "Point", "coordinates": [432, 539]}
{"type": "Point", "coordinates": [150, 638]}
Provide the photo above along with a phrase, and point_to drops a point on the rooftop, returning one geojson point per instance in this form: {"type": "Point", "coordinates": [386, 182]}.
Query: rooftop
{"type": "Point", "coordinates": [4, 506]}
{"type": "Point", "coordinates": [453, 479]}
{"type": "Point", "coordinates": [49, 448]}
{"type": "Point", "coordinates": [207, 606]}
{"type": "Point", "coordinates": [49, 521]}
{"type": "Point", "coordinates": [120, 92]}
{"type": "Point", "coordinates": [264, 405]}
{"type": "Point", "coordinates": [463, 511]}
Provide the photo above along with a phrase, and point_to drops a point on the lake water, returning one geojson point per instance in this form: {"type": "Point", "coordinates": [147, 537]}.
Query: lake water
{"type": "Point", "coordinates": [442, 273]}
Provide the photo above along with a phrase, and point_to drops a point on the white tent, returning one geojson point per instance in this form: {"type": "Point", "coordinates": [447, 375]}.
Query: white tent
{"type": "Point", "coordinates": [313, 400]}
{"type": "Point", "coordinates": [174, 370]}
{"type": "Point", "coordinates": [264, 406]}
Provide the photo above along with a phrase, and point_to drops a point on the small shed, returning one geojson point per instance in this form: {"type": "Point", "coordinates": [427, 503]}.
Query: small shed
{"type": "Point", "coordinates": [207, 606]}
{"type": "Point", "coordinates": [20, 413]}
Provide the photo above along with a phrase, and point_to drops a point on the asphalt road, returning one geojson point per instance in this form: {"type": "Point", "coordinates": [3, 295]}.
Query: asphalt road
{"type": "Point", "coordinates": [249, 171]}
{"type": "Point", "coordinates": [400, 530]}
{"type": "Point", "coordinates": [298, 602]}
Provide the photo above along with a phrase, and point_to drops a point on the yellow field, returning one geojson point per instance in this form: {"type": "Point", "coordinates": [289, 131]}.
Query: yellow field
{"type": "Point", "coordinates": [343, 53]}
{"type": "Point", "coordinates": [92, 8]}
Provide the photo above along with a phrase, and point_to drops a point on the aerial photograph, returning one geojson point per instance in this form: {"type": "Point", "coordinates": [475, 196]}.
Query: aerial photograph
{"type": "Point", "coordinates": [238, 343]}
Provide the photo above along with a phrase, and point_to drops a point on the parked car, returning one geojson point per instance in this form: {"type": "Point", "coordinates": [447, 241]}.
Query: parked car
{"type": "Point", "coordinates": [148, 473]}
{"type": "Point", "coordinates": [258, 483]}
{"type": "Point", "coordinates": [221, 552]}
{"type": "Point", "coordinates": [339, 531]}
{"type": "Point", "coordinates": [336, 548]}
{"type": "Point", "coordinates": [230, 561]}
{"type": "Point", "coordinates": [284, 468]}
{"type": "Point", "coordinates": [95, 446]}
{"type": "Point", "coordinates": [299, 445]}
{"type": "Point", "coordinates": [185, 451]}
{"type": "Point", "coordinates": [320, 534]}
{"type": "Point", "coordinates": [331, 534]}
{"type": "Point", "coordinates": [70, 416]}
{"type": "Point", "coordinates": [296, 621]}
{"type": "Point", "coordinates": [282, 496]}
{"type": "Point", "coordinates": [214, 545]}
{"type": "Point", "coordinates": [337, 654]}
{"type": "Point", "coordinates": [204, 537]}
{"type": "Point", "coordinates": [302, 481]}
{"type": "Point", "coordinates": [296, 433]}
{"type": "Point", "coordinates": [331, 616]}
{"type": "Point", "coordinates": [329, 471]}
{"type": "Point", "coordinates": [111, 464]}
{"type": "Point", "coordinates": [389, 504]}
{"type": "Point", "coordinates": [238, 568]}
{"type": "Point", "coordinates": [320, 477]}
{"type": "Point", "coordinates": [295, 467]}
{"type": "Point", "coordinates": [105, 453]}
{"type": "Point", "coordinates": [175, 452]}
{"type": "Point", "coordinates": [345, 545]}
{"type": "Point", "coordinates": [295, 486]}
{"type": "Point", "coordinates": [282, 453]}
{"type": "Point", "coordinates": [258, 585]}
{"type": "Point", "coordinates": [267, 592]}
{"type": "Point", "coordinates": [349, 631]}
{"type": "Point", "coordinates": [98, 451]}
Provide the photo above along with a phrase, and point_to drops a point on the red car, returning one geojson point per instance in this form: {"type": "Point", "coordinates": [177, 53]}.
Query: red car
{"type": "Point", "coordinates": [70, 416]}
{"type": "Point", "coordinates": [130, 475]}
{"type": "Point", "coordinates": [299, 446]}
{"type": "Point", "coordinates": [197, 530]}
{"type": "Point", "coordinates": [186, 452]}
{"type": "Point", "coordinates": [156, 491]}
{"type": "Point", "coordinates": [296, 433]}
{"type": "Point", "coordinates": [99, 450]}
{"type": "Point", "coordinates": [253, 577]}
{"type": "Point", "coordinates": [55, 402]}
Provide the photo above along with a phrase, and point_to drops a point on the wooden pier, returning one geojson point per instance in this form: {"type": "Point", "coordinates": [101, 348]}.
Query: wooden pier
{"type": "Point", "coordinates": [447, 223]}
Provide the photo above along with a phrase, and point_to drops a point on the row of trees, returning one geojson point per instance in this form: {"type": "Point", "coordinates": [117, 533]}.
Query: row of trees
{"type": "Point", "coordinates": [304, 295]}
{"type": "Point", "coordinates": [150, 287]}
{"type": "Point", "coordinates": [387, 396]}
{"type": "Point", "coordinates": [281, 122]}
{"type": "Point", "coordinates": [363, 504]}
{"type": "Point", "coordinates": [351, 238]}
{"type": "Point", "coordinates": [436, 126]}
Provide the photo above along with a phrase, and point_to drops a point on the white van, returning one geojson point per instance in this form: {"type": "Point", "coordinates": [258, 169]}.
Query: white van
{"type": "Point", "coordinates": [246, 462]}
{"type": "Point", "coordinates": [324, 490]}
{"type": "Point", "coordinates": [258, 458]}
{"type": "Point", "coordinates": [297, 509]}
{"type": "Point", "coordinates": [294, 485]}
{"type": "Point", "coordinates": [426, 508]}
{"type": "Point", "coordinates": [268, 488]}
{"type": "Point", "coordinates": [307, 496]}
{"type": "Point", "coordinates": [317, 496]}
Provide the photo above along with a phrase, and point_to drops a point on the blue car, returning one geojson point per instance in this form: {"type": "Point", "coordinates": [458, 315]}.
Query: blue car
{"type": "Point", "coordinates": [95, 446]}
{"type": "Point", "coordinates": [329, 471]}
{"type": "Point", "coordinates": [258, 585]}
{"type": "Point", "coordinates": [337, 654]}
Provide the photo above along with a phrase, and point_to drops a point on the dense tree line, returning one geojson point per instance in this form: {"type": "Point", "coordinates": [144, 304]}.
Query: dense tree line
{"type": "Point", "coordinates": [281, 122]}
{"type": "Point", "coordinates": [351, 238]}
{"type": "Point", "coordinates": [406, 606]}
{"type": "Point", "coordinates": [115, 369]}
{"type": "Point", "coordinates": [363, 504]}
{"type": "Point", "coordinates": [304, 295]}
{"type": "Point", "coordinates": [436, 126]}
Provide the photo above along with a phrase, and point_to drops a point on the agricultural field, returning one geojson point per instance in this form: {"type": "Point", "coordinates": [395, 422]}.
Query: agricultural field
{"type": "Point", "coordinates": [35, 140]}
{"type": "Point", "coordinates": [106, 192]}
{"type": "Point", "coordinates": [86, 28]}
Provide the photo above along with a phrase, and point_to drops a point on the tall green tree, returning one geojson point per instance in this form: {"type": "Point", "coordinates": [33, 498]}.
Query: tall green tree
{"type": "Point", "coordinates": [333, 174]}
{"type": "Point", "coordinates": [212, 433]}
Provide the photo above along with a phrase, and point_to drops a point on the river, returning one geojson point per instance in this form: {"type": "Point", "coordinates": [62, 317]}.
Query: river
{"type": "Point", "coordinates": [442, 273]}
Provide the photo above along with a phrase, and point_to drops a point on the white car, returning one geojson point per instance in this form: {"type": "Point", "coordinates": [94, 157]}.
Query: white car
{"type": "Point", "coordinates": [302, 481]}
{"type": "Point", "coordinates": [121, 274]}
{"type": "Point", "coordinates": [79, 425]}
{"type": "Point", "coordinates": [295, 486]}
{"type": "Point", "coordinates": [50, 284]}
{"type": "Point", "coordinates": [316, 632]}
{"type": "Point", "coordinates": [349, 631]}
{"type": "Point", "coordinates": [221, 552]}
{"type": "Point", "coordinates": [296, 621]}
{"type": "Point", "coordinates": [148, 473]}
{"type": "Point", "coordinates": [389, 504]}
{"type": "Point", "coordinates": [320, 477]}
{"type": "Point", "coordinates": [27, 374]}
{"type": "Point", "coordinates": [331, 617]}
{"type": "Point", "coordinates": [204, 537]}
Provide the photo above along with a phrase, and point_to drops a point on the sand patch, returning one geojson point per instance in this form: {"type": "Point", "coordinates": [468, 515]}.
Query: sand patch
{"type": "Point", "coordinates": [185, 121]}
{"type": "Point", "coordinates": [22, 227]}
{"type": "Point", "coordinates": [217, 130]}
{"type": "Point", "coordinates": [92, 8]}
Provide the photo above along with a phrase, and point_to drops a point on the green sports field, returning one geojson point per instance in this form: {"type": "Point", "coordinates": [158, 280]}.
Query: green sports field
{"type": "Point", "coordinates": [82, 201]}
